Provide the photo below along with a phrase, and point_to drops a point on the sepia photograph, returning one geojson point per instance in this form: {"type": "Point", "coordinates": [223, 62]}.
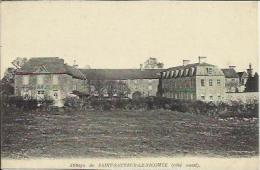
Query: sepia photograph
{"type": "Point", "coordinates": [129, 85]}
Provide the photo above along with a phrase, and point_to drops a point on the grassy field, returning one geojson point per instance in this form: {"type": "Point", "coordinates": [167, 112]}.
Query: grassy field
{"type": "Point", "coordinates": [124, 134]}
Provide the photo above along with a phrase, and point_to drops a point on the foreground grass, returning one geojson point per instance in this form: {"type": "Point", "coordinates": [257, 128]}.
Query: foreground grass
{"type": "Point", "coordinates": [125, 133]}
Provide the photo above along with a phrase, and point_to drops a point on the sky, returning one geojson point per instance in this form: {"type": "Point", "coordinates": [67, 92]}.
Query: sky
{"type": "Point", "coordinates": [124, 34]}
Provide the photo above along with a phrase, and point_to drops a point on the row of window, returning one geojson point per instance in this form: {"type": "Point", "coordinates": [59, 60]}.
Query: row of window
{"type": "Point", "coordinates": [40, 79]}
{"type": "Point", "coordinates": [183, 72]}
{"type": "Point", "coordinates": [178, 73]}
{"type": "Point", "coordinates": [179, 84]}
{"type": "Point", "coordinates": [211, 98]}
{"type": "Point", "coordinates": [202, 82]}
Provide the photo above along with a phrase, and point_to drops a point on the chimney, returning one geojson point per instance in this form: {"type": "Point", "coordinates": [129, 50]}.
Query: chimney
{"type": "Point", "coordinates": [250, 71]}
{"type": "Point", "coordinates": [185, 62]}
{"type": "Point", "coordinates": [141, 67]}
{"type": "Point", "coordinates": [74, 64]}
{"type": "Point", "coordinates": [202, 59]}
{"type": "Point", "coordinates": [232, 67]}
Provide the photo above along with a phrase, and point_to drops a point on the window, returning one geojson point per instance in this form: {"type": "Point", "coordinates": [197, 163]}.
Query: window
{"type": "Point", "coordinates": [181, 73]}
{"type": "Point", "coordinates": [40, 79]}
{"type": "Point", "coordinates": [40, 92]}
{"type": "Point", "coordinates": [233, 80]}
{"type": "Point", "coordinates": [218, 82]}
{"type": "Point", "coordinates": [211, 98]}
{"type": "Point", "coordinates": [202, 82]}
{"type": "Point", "coordinates": [55, 79]}
{"type": "Point", "coordinates": [209, 70]}
{"type": "Point", "coordinates": [210, 82]}
{"type": "Point", "coordinates": [219, 97]}
{"type": "Point", "coordinates": [202, 97]}
{"type": "Point", "coordinates": [192, 71]}
{"type": "Point", "coordinates": [176, 73]}
{"type": "Point", "coordinates": [172, 74]}
{"type": "Point", "coordinates": [25, 79]}
{"type": "Point", "coordinates": [186, 72]}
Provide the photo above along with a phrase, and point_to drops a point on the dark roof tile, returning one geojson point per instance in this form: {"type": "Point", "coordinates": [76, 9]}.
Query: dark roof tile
{"type": "Point", "coordinates": [121, 74]}
{"type": "Point", "coordinates": [51, 65]}
{"type": "Point", "coordinates": [230, 73]}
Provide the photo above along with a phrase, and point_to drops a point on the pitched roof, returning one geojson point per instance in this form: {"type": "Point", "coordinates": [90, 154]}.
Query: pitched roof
{"type": "Point", "coordinates": [121, 74]}
{"type": "Point", "coordinates": [242, 74]}
{"type": "Point", "coordinates": [230, 73]}
{"type": "Point", "coordinates": [49, 65]}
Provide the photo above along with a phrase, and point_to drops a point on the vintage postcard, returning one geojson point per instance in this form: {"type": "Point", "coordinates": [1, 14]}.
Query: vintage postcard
{"type": "Point", "coordinates": [129, 85]}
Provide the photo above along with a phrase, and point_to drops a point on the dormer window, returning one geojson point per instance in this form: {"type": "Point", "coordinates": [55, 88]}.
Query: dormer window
{"type": "Point", "coordinates": [172, 74]}
{"type": "Point", "coordinates": [181, 74]}
{"type": "Point", "coordinates": [176, 73]}
{"type": "Point", "coordinates": [168, 73]}
{"type": "Point", "coordinates": [209, 70]}
{"type": "Point", "coordinates": [192, 71]}
{"type": "Point", "coordinates": [163, 75]}
{"type": "Point", "coordinates": [186, 71]}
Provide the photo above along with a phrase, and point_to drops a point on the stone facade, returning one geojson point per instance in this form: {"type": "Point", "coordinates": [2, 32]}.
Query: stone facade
{"type": "Point", "coordinates": [199, 81]}
{"type": "Point", "coordinates": [146, 87]}
{"type": "Point", "coordinates": [48, 78]}
{"type": "Point", "coordinates": [50, 86]}
{"type": "Point", "coordinates": [139, 81]}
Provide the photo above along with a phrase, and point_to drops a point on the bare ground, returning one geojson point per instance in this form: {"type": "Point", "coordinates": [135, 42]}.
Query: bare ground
{"type": "Point", "coordinates": [125, 133]}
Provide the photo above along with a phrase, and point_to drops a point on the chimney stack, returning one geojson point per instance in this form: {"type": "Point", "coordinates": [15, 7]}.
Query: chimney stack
{"type": "Point", "coordinates": [185, 62]}
{"type": "Point", "coordinates": [232, 67]}
{"type": "Point", "coordinates": [202, 59]}
{"type": "Point", "coordinates": [141, 66]}
{"type": "Point", "coordinates": [74, 64]}
{"type": "Point", "coordinates": [250, 71]}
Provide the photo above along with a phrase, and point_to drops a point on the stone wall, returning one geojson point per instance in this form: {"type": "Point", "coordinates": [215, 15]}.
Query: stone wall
{"type": "Point", "coordinates": [244, 97]}
{"type": "Point", "coordinates": [232, 85]}
{"type": "Point", "coordinates": [147, 87]}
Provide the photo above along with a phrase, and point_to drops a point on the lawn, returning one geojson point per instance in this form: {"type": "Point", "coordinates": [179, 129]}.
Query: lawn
{"type": "Point", "coordinates": [124, 134]}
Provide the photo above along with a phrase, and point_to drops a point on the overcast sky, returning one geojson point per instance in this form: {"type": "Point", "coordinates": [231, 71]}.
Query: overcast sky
{"type": "Point", "coordinates": [125, 34]}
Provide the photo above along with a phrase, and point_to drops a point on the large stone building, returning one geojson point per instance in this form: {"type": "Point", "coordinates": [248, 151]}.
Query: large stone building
{"type": "Point", "coordinates": [198, 81]}
{"type": "Point", "coordinates": [48, 77]}
{"type": "Point", "coordinates": [127, 82]}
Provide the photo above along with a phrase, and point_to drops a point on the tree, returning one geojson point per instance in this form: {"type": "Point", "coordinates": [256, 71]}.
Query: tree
{"type": "Point", "coordinates": [10, 72]}
{"type": "Point", "coordinates": [152, 63]}
{"type": "Point", "coordinates": [122, 89]}
{"type": "Point", "coordinates": [252, 83]}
